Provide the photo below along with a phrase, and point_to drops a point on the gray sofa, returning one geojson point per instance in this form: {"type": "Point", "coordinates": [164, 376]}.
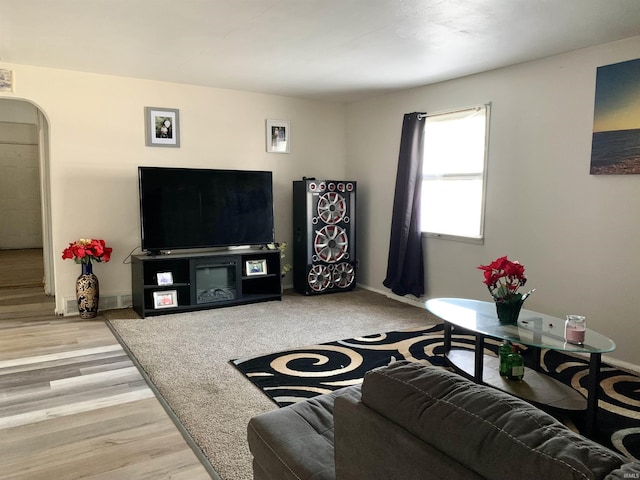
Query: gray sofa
{"type": "Point", "coordinates": [411, 421]}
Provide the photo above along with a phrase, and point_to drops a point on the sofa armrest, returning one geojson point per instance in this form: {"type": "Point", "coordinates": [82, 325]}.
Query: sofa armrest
{"type": "Point", "coordinates": [370, 447]}
{"type": "Point", "coordinates": [296, 442]}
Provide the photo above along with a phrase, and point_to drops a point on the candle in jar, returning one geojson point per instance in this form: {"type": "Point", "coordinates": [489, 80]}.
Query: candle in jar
{"type": "Point", "coordinates": [575, 328]}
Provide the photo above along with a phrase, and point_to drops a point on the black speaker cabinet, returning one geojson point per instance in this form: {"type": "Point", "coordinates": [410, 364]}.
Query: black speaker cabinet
{"type": "Point", "coordinates": [324, 236]}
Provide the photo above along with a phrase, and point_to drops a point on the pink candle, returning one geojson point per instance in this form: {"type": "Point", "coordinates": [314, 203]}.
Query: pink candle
{"type": "Point", "coordinates": [575, 336]}
{"type": "Point", "coordinates": [575, 328]}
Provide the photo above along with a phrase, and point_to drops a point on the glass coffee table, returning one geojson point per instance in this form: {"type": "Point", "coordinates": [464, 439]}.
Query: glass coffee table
{"type": "Point", "coordinates": [535, 330]}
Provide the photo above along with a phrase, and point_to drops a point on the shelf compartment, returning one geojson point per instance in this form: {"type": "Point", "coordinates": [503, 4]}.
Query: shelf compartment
{"type": "Point", "coordinates": [179, 271]}
{"type": "Point", "coordinates": [535, 387]}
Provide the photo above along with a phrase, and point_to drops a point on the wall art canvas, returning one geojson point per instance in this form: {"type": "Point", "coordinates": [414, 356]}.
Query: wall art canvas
{"type": "Point", "coordinates": [615, 146]}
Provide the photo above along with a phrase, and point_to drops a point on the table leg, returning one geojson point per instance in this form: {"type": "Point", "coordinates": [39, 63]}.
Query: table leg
{"type": "Point", "coordinates": [593, 382]}
{"type": "Point", "coordinates": [479, 358]}
{"type": "Point", "coordinates": [536, 355]}
{"type": "Point", "coordinates": [447, 337]}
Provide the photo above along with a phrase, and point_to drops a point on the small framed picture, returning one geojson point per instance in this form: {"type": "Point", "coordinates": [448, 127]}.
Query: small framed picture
{"type": "Point", "coordinates": [165, 278]}
{"type": "Point", "coordinates": [278, 136]}
{"type": "Point", "coordinates": [256, 267]}
{"type": "Point", "coordinates": [165, 299]}
{"type": "Point", "coordinates": [162, 127]}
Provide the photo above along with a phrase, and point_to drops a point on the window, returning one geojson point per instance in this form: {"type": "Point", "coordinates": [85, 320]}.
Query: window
{"type": "Point", "coordinates": [454, 173]}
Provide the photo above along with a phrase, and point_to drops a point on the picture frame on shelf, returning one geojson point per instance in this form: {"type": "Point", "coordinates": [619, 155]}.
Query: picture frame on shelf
{"type": "Point", "coordinates": [165, 278]}
{"type": "Point", "coordinates": [278, 136]}
{"type": "Point", "coordinates": [255, 267]}
{"type": "Point", "coordinates": [162, 127]}
{"type": "Point", "coordinates": [165, 299]}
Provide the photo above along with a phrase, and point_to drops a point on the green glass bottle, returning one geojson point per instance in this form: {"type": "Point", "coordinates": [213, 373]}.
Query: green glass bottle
{"type": "Point", "coordinates": [503, 352]}
{"type": "Point", "coordinates": [515, 363]}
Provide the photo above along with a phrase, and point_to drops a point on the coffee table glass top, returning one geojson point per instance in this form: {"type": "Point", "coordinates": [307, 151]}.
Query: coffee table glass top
{"type": "Point", "coordinates": [533, 329]}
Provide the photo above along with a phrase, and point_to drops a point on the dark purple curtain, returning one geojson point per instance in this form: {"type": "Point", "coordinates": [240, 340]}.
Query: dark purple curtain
{"type": "Point", "coordinates": [405, 267]}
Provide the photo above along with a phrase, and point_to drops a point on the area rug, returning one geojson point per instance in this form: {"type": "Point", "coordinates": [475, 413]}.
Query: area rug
{"type": "Point", "coordinates": [297, 374]}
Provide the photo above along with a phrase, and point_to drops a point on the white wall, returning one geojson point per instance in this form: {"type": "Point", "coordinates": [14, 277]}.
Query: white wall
{"type": "Point", "coordinates": [577, 234]}
{"type": "Point", "coordinates": [97, 142]}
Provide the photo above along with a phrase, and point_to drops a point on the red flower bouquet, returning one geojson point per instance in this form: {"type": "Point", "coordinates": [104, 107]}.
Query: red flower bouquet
{"type": "Point", "coordinates": [503, 278]}
{"type": "Point", "coordinates": [87, 250]}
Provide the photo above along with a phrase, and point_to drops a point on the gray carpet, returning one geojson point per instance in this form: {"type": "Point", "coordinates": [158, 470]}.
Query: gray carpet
{"type": "Point", "coordinates": [187, 358]}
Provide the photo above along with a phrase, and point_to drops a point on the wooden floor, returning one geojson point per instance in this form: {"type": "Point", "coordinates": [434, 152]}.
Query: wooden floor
{"type": "Point", "coordinates": [72, 404]}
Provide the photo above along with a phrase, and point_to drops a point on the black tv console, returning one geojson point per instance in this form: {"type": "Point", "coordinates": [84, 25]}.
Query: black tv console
{"type": "Point", "coordinates": [182, 282]}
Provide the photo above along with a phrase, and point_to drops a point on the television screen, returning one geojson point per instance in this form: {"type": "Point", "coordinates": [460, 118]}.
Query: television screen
{"type": "Point", "coordinates": [198, 208]}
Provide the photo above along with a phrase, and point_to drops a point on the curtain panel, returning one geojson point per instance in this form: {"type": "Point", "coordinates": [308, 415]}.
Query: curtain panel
{"type": "Point", "coordinates": [405, 265]}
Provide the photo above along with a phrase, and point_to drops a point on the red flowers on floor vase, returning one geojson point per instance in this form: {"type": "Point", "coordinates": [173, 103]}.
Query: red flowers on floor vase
{"type": "Point", "coordinates": [87, 250]}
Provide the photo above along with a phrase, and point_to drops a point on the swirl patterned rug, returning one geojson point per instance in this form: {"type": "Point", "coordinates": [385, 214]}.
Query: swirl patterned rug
{"type": "Point", "coordinates": [293, 375]}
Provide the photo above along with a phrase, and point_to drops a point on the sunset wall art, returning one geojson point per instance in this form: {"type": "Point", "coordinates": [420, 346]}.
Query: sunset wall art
{"type": "Point", "coordinates": [615, 147]}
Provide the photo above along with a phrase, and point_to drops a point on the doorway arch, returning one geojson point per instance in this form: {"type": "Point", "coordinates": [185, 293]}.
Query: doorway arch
{"type": "Point", "coordinates": [9, 114]}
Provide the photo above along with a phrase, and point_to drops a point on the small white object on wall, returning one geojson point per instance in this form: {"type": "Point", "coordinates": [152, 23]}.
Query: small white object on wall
{"type": "Point", "coordinates": [6, 80]}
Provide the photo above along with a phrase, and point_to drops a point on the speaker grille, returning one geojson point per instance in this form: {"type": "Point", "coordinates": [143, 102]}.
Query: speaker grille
{"type": "Point", "coordinates": [332, 208]}
{"type": "Point", "coordinates": [331, 244]}
{"type": "Point", "coordinates": [319, 278]}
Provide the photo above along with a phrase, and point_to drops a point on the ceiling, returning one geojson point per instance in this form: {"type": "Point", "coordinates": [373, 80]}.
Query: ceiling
{"type": "Point", "coordinates": [338, 50]}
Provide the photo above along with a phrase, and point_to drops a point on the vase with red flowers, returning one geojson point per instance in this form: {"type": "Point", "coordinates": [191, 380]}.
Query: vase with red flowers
{"type": "Point", "coordinates": [504, 278]}
{"type": "Point", "coordinates": [86, 251]}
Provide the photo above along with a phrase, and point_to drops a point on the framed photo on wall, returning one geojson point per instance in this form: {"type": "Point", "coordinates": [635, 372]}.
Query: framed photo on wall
{"type": "Point", "coordinates": [278, 136]}
{"type": "Point", "coordinates": [162, 127]}
{"type": "Point", "coordinates": [165, 299]}
{"type": "Point", "coordinates": [256, 267]}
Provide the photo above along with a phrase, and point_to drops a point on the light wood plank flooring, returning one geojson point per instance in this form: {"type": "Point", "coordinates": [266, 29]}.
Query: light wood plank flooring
{"type": "Point", "coordinates": [72, 404]}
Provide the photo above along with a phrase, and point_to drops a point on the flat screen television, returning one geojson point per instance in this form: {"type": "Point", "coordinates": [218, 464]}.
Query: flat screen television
{"type": "Point", "coordinates": [185, 208]}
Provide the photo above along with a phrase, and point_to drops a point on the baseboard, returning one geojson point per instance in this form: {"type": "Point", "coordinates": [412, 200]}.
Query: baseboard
{"type": "Point", "coordinates": [107, 302]}
{"type": "Point", "coordinates": [416, 302]}
{"type": "Point", "coordinates": [621, 365]}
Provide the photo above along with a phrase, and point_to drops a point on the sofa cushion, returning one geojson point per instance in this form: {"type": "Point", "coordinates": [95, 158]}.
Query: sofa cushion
{"type": "Point", "coordinates": [369, 446]}
{"type": "Point", "coordinates": [296, 442]}
{"type": "Point", "coordinates": [486, 430]}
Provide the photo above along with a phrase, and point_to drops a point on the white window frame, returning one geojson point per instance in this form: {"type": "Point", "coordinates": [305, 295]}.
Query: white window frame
{"type": "Point", "coordinates": [460, 238]}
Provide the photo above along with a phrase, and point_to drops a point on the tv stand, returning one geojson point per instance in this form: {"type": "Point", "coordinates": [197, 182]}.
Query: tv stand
{"type": "Point", "coordinates": [183, 282]}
